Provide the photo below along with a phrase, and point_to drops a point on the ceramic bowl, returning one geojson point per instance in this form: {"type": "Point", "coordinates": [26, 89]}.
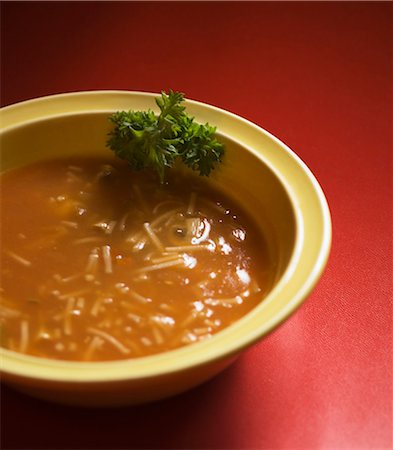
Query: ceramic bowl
{"type": "Point", "coordinates": [259, 171]}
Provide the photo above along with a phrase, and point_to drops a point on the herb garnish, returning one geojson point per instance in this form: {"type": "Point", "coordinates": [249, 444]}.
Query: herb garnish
{"type": "Point", "coordinates": [147, 140]}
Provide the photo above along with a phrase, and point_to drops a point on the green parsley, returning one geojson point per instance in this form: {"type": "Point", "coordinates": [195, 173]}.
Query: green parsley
{"type": "Point", "coordinates": [146, 140]}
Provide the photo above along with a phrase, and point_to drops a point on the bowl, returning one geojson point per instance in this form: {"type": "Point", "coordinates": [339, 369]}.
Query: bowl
{"type": "Point", "coordinates": [259, 171]}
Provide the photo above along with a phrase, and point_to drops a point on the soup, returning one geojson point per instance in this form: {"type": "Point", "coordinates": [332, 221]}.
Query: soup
{"type": "Point", "coordinates": [100, 263]}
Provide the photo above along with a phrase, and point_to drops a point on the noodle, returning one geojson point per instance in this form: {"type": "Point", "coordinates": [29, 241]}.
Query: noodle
{"type": "Point", "coordinates": [163, 265]}
{"type": "Point", "coordinates": [87, 240]}
{"type": "Point", "coordinates": [67, 316]}
{"type": "Point", "coordinates": [24, 336]}
{"type": "Point", "coordinates": [157, 336]}
{"type": "Point", "coordinates": [139, 297]}
{"type": "Point", "coordinates": [9, 313]}
{"type": "Point", "coordinates": [189, 248]}
{"type": "Point", "coordinates": [153, 237]}
{"type": "Point", "coordinates": [122, 222]}
{"type": "Point", "coordinates": [146, 341]}
{"type": "Point", "coordinates": [109, 338]}
{"type": "Point", "coordinates": [166, 258]}
{"type": "Point", "coordinates": [92, 261]}
{"type": "Point", "coordinates": [19, 259]}
{"type": "Point", "coordinates": [106, 254]}
{"type": "Point", "coordinates": [95, 343]}
{"type": "Point", "coordinates": [75, 168]}
{"type": "Point", "coordinates": [96, 307]}
{"type": "Point", "coordinates": [69, 224]}
{"type": "Point", "coordinates": [158, 220]}
{"type": "Point", "coordinates": [60, 279]}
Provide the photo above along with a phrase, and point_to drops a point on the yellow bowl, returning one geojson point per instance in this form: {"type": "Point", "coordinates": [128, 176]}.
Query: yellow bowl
{"type": "Point", "coordinates": [259, 171]}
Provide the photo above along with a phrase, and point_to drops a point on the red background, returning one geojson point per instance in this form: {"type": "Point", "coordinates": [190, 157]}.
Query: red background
{"type": "Point", "coordinates": [318, 76]}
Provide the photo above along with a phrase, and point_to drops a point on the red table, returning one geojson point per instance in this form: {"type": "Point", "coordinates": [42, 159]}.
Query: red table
{"type": "Point", "coordinates": [317, 75]}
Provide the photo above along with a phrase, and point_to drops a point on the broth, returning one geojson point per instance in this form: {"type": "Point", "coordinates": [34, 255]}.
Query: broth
{"type": "Point", "coordinates": [100, 263]}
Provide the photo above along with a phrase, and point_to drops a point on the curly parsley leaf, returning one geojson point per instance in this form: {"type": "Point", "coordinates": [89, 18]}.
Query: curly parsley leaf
{"type": "Point", "coordinates": [146, 140]}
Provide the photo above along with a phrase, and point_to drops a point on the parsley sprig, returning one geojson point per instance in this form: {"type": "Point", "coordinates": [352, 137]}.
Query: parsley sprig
{"type": "Point", "coordinates": [147, 140]}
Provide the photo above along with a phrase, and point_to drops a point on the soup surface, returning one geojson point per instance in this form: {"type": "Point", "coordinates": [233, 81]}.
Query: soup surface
{"type": "Point", "coordinates": [101, 263]}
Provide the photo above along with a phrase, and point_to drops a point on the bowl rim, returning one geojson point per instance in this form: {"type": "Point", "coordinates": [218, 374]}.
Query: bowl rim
{"type": "Point", "coordinates": [104, 101]}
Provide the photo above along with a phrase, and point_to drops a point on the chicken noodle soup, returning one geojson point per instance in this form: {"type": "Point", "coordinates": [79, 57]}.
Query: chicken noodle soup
{"type": "Point", "coordinates": [101, 263]}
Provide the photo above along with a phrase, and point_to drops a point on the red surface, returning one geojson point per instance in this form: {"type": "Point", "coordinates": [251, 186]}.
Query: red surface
{"type": "Point", "coordinates": [317, 75]}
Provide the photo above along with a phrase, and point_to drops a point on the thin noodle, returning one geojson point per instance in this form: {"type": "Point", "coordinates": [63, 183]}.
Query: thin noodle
{"type": "Point", "coordinates": [122, 222]}
{"type": "Point", "coordinates": [60, 279]}
{"type": "Point", "coordinates": [92, 261]}
{"type": "Point", "coordinates": [226, 302]}
{"type": "Point", "coordinates": [188, 338]}
{"type": "Point", "coordinates": [69, 224]}
{"type": "Point", "coordinates": [80, 302]}
{"type": "Point", "coordinates": [106, 254]}
{"type": "Point", "coordinates": [188, 248]}
{"type": "Point", "coordinates": [9, 313]}
{"type": "Point", "coordinates": [163, 217]}
{"type": "Point", "coordinates": [166, 258]}
{"type": "Point", "coordinates": [24, 336]}
{"type": "Point", "coordinates": [163, 265]}
{"type": "Point", "coordinates": [73, 294]}
{"type": "Point", "coordinates": [96, 307]}
{"type": "Point", "coordinates": [86, 240]}
{"type": "Point", "coordinates": [164, 322]}
{"type": "Point", "coordinates": [75, 168]}
{"type": "Point", "coordinates": [95, 343]}
{"type": "Point", "coordinates": [19, 259]}
{"type": "Point", "coordinates": [210, 323]}
{"type": "Point", "coordinates": [72, 177]}
{"type": "Point", "coordinates": [122, 287]}
{"type": "Point", "coordinates": [146, 341]}
{"type": "Point", "coordinates": [153, 237]}
{"type": "Point", "coordinates": [109, 338]}
{"type": "Point", "coordinates": [255, 287]}
{"type": "Point", "coordinates": [189, 319]}
{"type": "Point", "coordinates": [140, 298]}
{"type": "Point", "coordinates": [67, 316]}
{"type": "Point", "coordinates": [131, 315]}
{"type": "Point", "coordinates": [166, 307]}
{"type": "Point", "coordinates": [157, 336]}
{"type": "Point", "coordinates": [199, 331]}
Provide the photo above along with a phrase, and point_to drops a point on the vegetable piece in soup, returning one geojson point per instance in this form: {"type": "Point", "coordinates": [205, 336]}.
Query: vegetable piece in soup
{"type": "Point", "coordinates": [99, 263]}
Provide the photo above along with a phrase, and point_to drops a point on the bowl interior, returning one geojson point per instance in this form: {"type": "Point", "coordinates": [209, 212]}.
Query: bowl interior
{"type": "Point", "coordinates": [259, 172]}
